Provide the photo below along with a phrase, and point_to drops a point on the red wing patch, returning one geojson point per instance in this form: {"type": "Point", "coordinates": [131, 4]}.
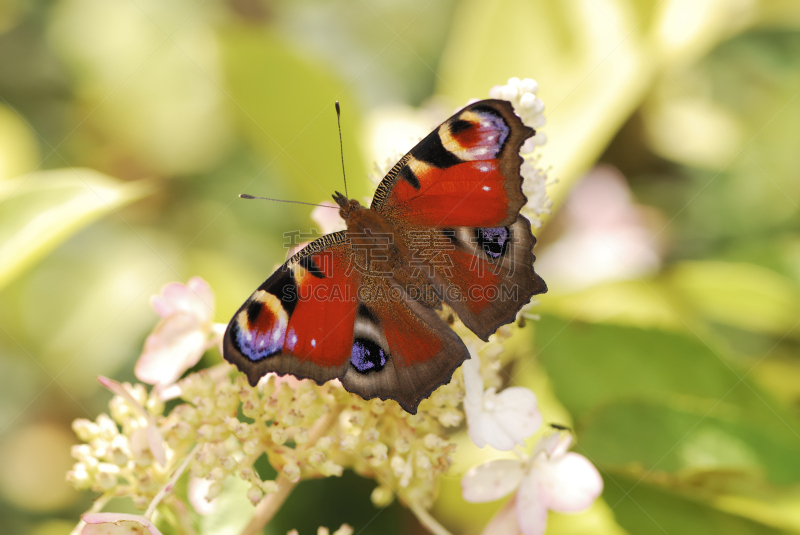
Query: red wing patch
{"type": "Point", "coordinates": [465, 194]}
{"type": "Point", "coordinates": [464, 173]}
{"type": "Point", "coordinates": [301, 320]}
{"type": "Point", "coordinates": [320, 329]}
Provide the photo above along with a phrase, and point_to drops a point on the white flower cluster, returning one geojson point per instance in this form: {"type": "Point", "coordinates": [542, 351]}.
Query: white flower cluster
{"type": "Point", "coordinates": [530, 108]}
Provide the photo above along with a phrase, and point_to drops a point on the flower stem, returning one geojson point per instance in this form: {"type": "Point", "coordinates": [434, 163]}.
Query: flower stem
{"type": "Point", "coordinates": [169, 486]}
{"type": "Point", "coordinates": [427, 520]}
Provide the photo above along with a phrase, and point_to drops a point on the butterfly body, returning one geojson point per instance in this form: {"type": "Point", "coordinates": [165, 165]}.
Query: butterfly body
{"type": "Point", "coordinates": [363, 305]}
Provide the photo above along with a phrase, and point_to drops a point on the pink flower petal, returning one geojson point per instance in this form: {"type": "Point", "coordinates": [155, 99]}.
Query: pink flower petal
{"type": "Point", "coordinates": [491, 481]}
{"type": "Point", "coordinates": [505, 521]}
{"type": "Point", "coordinates": [174, 297]}
{"type": "Point", "coordinates": [531, 508]}
{"type": "Point", "coordinates": [119, 520]}
{"type": "Point", "coordinates": [571, 483]}
{"type": "Point", "coordinates": [204, 295]}
{"type": "Point", "coordinates": [175, 345]}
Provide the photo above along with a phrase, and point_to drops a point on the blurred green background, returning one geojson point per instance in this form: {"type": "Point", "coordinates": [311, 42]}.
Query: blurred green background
{"type": "Point", "coordinates": [669, 340]}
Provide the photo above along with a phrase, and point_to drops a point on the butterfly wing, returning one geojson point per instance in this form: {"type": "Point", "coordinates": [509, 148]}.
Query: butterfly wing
{"type": "Point", "coordinates": [318, 318]}
{"type": "Point", "coordinates": [486, 275]}
{"type": "Point", "coordinates": [456, 198]}
{"type": "Point", "coordinates": [464, 173]}
{"type": "Point", "coordinates": [301, 319]}
{"type": "Point", "coordinates": [402, 349]}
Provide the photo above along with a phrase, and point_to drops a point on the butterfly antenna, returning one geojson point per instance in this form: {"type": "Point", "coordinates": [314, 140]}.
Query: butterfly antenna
{"type": "Point", "coordinates": [246, 196]}
{"type": "Point", "coordinates": [341, 147]}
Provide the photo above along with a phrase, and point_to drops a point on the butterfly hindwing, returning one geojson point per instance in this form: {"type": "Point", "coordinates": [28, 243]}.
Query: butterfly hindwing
{"type": "Point", "coordinates": [309, 319]}
{"type": "Point", "coordinates": [464, 173]}
{"type": "Point", "coordinates": [402, 350]}
{"type": "Point", "coordinates": [486, 274]}
{"type": "Point", "coordinates": [301, 320]}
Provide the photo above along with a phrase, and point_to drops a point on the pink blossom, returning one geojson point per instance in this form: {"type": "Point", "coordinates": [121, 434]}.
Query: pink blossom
{"type": "Point", "coordinates": [185, 332]}
{"type": "Point", "coordinates": [550, 479]}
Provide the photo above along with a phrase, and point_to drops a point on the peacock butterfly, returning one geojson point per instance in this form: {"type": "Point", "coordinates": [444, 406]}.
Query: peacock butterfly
{"type": "Point", "coordinates": [363, 305]}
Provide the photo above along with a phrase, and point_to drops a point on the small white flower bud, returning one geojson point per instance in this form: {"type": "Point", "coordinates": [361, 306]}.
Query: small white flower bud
{"type": "Point", "coordinates": [301, 436]}
{"type": "Point", "coordinates": [398, 465]}
{"type": "Point", "coordinates": [108, 427]}
{"type": "Point", "coordinates": [118, 457]}
{"type": "Point", "coordinates": [269, 486]}
{"type": "Point", "coordinates": [382, 496]}
{"type": "Point", "coordinates": [105, 480]}
{"type": "Point", "coordinates": [78, 477]}
{"type": "Point", "coordinates": [324, 443]}
{"type": "Point", "coordinates": [527, 101]}
{"type": "Point", "coordinates": [379, 453]}
{"type": "Point", "coordinates": [371, 435]}
{"type": "Point", "coordinates": [514, 81]}
{"type": "Point", "coordinates": [496, 92]}
{"type": "Point", "coordinates": [432, 441]}
{"type": "Point", "coordinates": [509, 93]}
{"type": "Point", "coordinates": [450, 418]}
{"type": "Point", "coordinates": [85, 429]}
{"type": "Point", "coordinates": [528, 85]}
{"type": "Point", "coordinates": [423, 463]}
{"type": "Point", "coordinates": [254, 494]}
{"type": "Point", "coordinates": [292, 472]}
{"type": "Point", "coordinates": [344, 530]}
{"type": "Point", "coordinates": [357, 418]}
{"type": "Point", "coordinates": [251, 446]}
{"type": "Point", "coordinates": [401, 445]}
{"type": "Point", "coordinates": [316, 458]}
{"type": "Point", "coordinates": [279, 435]}
{"type": "Point", "coordinates": [349, 442]}
{"type": "Point", "coordinates": [214, 490]}
{"type": "Point", "coordinates": [81, 451]}
{"type": "Point", "coordinates": [205, 433]}
{"type": "Point", "coordinates": [330, 468]}
{"type": "Point", "coordinates": [217, 474]}
{"type": "Point", "coordinates": [377, 406]}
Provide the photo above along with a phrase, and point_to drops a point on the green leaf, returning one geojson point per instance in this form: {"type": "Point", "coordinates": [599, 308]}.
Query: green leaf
{"type": "Point", "coordinates": [682, 446]}
{"type": "Point", "coordinates": [591, 365]}
{"type": "Point", "coordinates": [284, 105]}
{"type": "Point", "coordinates": [651, 400]}
{"type": "Point", "coordinates": [41, 210]}
{"type": "Point", "coordinates": [746, 296]}
{"type": "Point", "coordinates": [641, 508]}
{"type": "Point", "coordinates": [638, 303]}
